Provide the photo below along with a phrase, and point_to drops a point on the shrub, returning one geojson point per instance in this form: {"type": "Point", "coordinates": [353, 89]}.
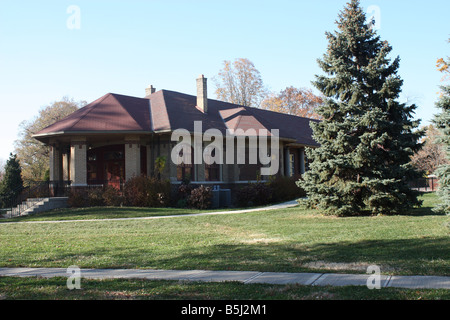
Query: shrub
{"type": "Point", "coordinates": [135, 192]}
{"type": "Point", "coordinates": [77, 198]}
{"type": "Point", "coordinates": [254, 194]}
{"type": "Point", "coordinates": [143, 191]}
{"type": "Point", "coordinates": [181, 203]}
{"type": "Point", "coordinates": [95, 197]}
{"type": "Point", "coordinates": [160, 165]}
{"type": "Point", "coordinates": [285, 189]}
{"type": "Point", "coordinates": [182, 195]}
{"type": "Point", "coordinates": [184, 190]}
{"type": "Point", "coordinates": [158, 192]}
{"type": "Point", "coordinates": [200, 198]}
{"type": "Point", "coordinates": [112, 197]}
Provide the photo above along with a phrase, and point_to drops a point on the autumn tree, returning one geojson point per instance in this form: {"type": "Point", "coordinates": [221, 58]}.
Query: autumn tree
{"type": "Point", "coordinates": [442, 66]}
{"type": "Point", "coordinates": [34, 155]}
{"type": "Point", "coordinates": [239, 82]}
{"type": "Point", "coordinates": [432, 155]}
{"type": "Point", "coordinates": [367, 136]}
{"type": "Point", "coordinates": [295, 101]}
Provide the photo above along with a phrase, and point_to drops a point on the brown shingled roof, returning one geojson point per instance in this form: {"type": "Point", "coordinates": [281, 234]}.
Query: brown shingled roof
{"type": "Point", "coordinates": [112, 112]}
{"type": "Point", "coordinates": [241, 119]}
{"type": "Point", "coordinates": [169, 110]}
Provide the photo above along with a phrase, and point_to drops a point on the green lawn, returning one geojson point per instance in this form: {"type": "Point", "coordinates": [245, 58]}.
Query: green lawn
{"type": "Point", "coordinates": [123, 289]}
{"type": "Point", "coordinates": [105, 213]}
{"type": "Point", "coordinates": [289, 240]}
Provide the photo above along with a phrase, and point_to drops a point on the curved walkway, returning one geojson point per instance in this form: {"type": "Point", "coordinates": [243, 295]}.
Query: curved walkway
{"type": "Point", "coordinates": [283, 205]}
{"type": "Point", "coordinates": [246, 277]}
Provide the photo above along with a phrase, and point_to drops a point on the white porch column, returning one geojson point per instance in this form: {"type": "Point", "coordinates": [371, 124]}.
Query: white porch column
{"type": "Point", "coordinates": [65, 166]}
{"type": "Point", "coordinates": [132, 157]}
{"type": "Point", "coordinates": [78, 162]}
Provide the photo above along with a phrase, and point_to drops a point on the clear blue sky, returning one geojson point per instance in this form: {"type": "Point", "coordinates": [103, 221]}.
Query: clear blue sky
{"type": "Point", "coordinates": [124, 46]}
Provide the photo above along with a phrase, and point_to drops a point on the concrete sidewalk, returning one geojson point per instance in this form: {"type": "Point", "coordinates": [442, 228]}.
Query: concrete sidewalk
{"type": "Point", "coordinates": [284, 205]}
{"type": "Point", "coordinates": [247, 277]}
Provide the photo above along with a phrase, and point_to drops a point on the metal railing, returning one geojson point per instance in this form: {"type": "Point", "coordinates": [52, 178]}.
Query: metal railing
{"type": "Point", "coordinates": [27, 197]}
{"type": "Point", "coordinates": [59, 188]}
{"type": "Point", "coordinates": [117, 183]}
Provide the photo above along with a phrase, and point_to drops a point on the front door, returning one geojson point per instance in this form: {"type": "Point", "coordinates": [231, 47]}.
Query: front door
{"type": "Point", "coordinates": [106, 165]}
{"type": "Point", "coordinates": [114, 173]}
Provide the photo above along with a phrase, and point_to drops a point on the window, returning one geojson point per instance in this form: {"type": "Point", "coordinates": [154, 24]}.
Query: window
{"type": "Point", "coordinates": [212, 171]}
{"type": "Point", "coordinates": [185, 170]}
{"type": "Point", "coordinates": [250, 171]}
{"type": "Point", "coordinates": [92, 165]}
{"type": "Point", "coordinates": [92, 171]}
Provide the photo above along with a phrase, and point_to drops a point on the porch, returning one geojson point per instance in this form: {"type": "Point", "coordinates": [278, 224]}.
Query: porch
{"type": "Point", "coordinates": [89, 163]}
{"type": "Point", "coordinates": [92, 161]}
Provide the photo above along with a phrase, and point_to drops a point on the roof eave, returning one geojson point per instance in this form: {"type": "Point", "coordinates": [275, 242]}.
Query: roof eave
{"type": "Point", "coordinates": [43, 137]}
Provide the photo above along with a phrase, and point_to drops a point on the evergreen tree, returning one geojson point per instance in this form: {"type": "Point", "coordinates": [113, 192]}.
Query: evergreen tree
{"type": "Point", "coordinates": [442, 122]}
{"type": "Point", "coordinates": [11, 184]}
{"type": "Point", "coordinates": [366, 137]}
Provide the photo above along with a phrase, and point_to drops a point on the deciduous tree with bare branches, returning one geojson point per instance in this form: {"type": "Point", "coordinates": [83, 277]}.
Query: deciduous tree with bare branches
{"type": "Point", "coordinates": [239, 82]}
{"type": "Point", "coordinates": [34, 155]}
{"type": "Point", "coordinates": [432, 155]}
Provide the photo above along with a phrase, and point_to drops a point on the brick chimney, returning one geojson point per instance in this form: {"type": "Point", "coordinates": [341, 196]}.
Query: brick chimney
{"type": "Point", "coordinates": [202, 94]}
{"type": "Point", "coordinates": [149, 90]}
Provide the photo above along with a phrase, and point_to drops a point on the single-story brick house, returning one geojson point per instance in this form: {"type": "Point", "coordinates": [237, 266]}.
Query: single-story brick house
{"type": "Point", "coordinates": [117, 137]}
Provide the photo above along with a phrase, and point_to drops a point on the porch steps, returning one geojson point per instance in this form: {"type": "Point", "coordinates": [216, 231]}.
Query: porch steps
{"type": "Point", "coordinates": [37, 205]}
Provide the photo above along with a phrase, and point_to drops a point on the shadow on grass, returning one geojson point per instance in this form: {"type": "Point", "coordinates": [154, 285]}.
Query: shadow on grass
{"type": "Point", "coordinates": [137, 289]}
{"type": "Point", "coordinates": [425, 210]}
{"type": "Point", "coordinates": [417, 256]}
{"type": "Point", "coordinates": [430, 200]}
{"type": "Point", "coordinates": [426, 256]}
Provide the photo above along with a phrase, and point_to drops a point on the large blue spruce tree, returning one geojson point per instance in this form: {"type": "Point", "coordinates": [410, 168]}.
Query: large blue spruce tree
{"type": "Point", "coordinates": [442, 121]}
{"type": "Point", "coordinates": [366, 137]}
